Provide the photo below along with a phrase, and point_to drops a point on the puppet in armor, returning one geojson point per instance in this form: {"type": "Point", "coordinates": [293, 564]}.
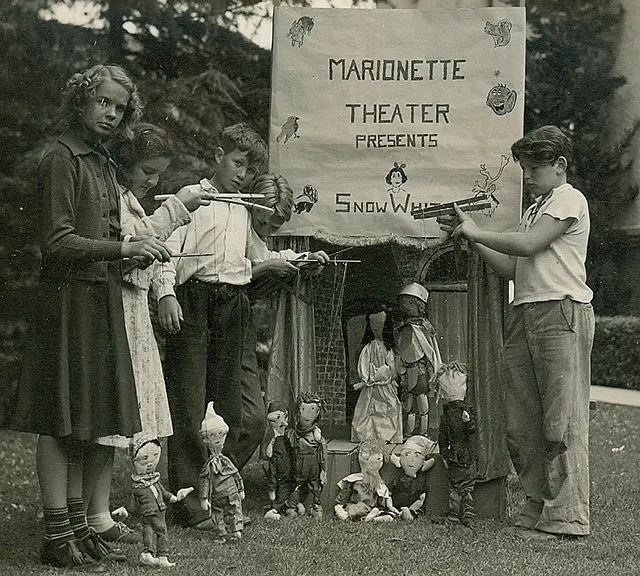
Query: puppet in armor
{"type": "Point", "coordinates": [419, 360]}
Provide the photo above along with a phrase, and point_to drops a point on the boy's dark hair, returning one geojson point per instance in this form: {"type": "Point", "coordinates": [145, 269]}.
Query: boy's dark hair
{"type": "Point", "coordinates": [543, 145]}
{"type": "Point", "coordinates": [244, 138]}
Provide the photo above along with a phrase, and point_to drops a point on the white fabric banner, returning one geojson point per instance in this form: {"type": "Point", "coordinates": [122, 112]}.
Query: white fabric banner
{"type": "Point", "coordinates": [378, 113]}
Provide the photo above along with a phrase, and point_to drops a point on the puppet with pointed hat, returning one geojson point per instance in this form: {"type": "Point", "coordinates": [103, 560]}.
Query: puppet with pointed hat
{"type": "Point", "coordinates": [220, 486]}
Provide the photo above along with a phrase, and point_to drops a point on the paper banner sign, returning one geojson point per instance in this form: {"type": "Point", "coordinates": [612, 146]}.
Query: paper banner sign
{"type": "Point", "coordinates": [377, 114]}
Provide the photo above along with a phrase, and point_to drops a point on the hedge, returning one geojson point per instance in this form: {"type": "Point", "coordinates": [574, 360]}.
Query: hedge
{"type": "Point", "coordinates": [615, 360]}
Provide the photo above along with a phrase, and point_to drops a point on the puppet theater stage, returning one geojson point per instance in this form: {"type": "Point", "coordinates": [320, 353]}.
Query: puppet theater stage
{"type": "Point", "coordinates": [320, 322]}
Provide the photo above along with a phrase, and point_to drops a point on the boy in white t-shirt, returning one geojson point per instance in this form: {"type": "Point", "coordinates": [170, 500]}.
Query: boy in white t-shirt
{"type": "Point", "coordinates": [548, 337]}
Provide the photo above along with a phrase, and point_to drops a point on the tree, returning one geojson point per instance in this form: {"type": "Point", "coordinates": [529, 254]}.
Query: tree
{"type": "Point", "coordinates": [569, 82]}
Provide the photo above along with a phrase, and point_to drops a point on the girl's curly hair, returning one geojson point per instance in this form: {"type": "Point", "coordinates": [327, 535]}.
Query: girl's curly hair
{"type": "Point", "coordinates": [81, 88]}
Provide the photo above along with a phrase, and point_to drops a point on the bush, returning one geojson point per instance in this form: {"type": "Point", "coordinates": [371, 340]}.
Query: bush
{"type": "Point", "coordinates": [616, 352]}
{"type": "Point", "coordinates": [12, 340]}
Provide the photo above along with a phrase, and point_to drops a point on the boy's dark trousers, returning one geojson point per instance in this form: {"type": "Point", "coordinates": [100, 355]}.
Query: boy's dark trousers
{"type": "Point", "coordinates": [202, 364]}
{"type": "Point", "coordinates": [241, 446]}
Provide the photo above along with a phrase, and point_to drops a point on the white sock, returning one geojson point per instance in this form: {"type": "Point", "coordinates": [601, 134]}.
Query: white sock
{"type": "Point", "coordinates": [100, 522]}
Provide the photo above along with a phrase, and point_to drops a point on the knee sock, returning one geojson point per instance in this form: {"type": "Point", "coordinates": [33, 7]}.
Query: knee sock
{"type": "Point", "coordinates": [77, 518]}
{"type": "Point", "coordinates": [57, 526]}
{"type": "Point", "coordinates": [101, 521]}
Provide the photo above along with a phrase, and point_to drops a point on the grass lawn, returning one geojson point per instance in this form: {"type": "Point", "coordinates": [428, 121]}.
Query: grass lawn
{"type": "Point", "coordinates": [327, 547]}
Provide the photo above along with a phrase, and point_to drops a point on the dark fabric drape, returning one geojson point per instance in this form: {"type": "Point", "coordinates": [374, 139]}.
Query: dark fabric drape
{"type": "Point", "coordinates": [485, 385]}
{"type": "Point", "coordinates": [292, 361]}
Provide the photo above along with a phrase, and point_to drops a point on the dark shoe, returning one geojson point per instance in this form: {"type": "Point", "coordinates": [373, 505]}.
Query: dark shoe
{"type": "Point", "coordinates": [68, 555]}
{"type": "Point", "coordinates": [120, 533]}
{"type": "Point", "coordinates": [97, 548]}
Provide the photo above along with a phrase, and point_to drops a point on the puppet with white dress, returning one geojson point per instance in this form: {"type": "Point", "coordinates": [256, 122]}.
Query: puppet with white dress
{"type": "Point", "coordinates": [419, 360]}
{"type": "Point", "coordinates": [378, 412]}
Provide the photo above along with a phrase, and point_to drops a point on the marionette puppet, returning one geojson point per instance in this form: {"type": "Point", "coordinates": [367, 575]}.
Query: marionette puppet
{"type": "Point", "coordinates": [279, 468]}
{"type": "Point", "coordinates": [149, 499]}
{"type": "Point", "coordinates": [309, 452]}
{"type": "Point", "coordinates": [457, 426]}
{"type": "Point", "coordinates": [419, 360]}
{"type": "Point", "coordinates": [378, 412]}
{"type": "Point", "coordinates": [220, 486]}
{"type": "Point", "coordinates": [364, 495]}
{"type": "Point", "coordinates": [409, 489]}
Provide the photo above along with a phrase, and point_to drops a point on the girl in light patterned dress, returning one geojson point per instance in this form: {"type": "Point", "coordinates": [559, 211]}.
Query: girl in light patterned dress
{"type": "Point", "coordinates": [140, 165]}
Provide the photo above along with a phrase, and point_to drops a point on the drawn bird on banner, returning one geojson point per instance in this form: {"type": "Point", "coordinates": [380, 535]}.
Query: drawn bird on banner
{"type": "Point", "coordinates": [289, 129]}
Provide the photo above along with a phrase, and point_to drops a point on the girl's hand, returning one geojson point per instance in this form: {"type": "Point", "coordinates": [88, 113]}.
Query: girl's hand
{"type": "Point", "coordinates": [448, 222]}
{"type": "Point", "coordinates": [193, 198]}
{"type": "Point", "coordinates": [146, 250]}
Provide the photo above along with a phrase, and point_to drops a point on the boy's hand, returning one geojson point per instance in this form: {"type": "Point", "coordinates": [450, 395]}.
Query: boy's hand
{"type": "Point", "coordinates": [320, 260]}
{"type": "Point", "coordinates": [279, 267]}
{"type": "Point", "coordinates": [193, 198]}
{"type": "Point", "coordinates": [145, 250]}
{"type": "Point", "coordinates": [459, 225]}
{"type": "Point", "coordinates": [170, 314]}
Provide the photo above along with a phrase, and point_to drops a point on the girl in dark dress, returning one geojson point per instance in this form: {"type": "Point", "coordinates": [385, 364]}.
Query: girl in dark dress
{"type": "Point", "coordinates": [77, 382]}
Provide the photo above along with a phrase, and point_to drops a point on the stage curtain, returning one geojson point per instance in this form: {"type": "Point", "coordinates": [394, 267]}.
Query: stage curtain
{"type": "Point", "coordinates": [487, 298]}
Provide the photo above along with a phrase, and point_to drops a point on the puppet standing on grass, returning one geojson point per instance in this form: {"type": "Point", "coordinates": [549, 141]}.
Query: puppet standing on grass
{"type": "Point", "coordinates": [220, 486]}
{"type": "Point", "coordinates": [149, 499]}
{"type": "Point", "coordinates": [457, 426]}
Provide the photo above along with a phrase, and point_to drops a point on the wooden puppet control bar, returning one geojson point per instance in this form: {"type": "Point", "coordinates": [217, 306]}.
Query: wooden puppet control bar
{"type": "Point", "coordinates": [474, 204]}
